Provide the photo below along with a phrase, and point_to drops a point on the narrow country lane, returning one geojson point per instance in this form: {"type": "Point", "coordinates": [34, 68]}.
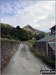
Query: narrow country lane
{"type": "Point", "coordinates": [23, 62]}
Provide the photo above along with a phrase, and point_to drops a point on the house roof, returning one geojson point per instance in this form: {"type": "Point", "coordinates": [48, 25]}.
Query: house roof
{"type": "Point", "coordinates": [52, 45]}
{"type": "Point", "coordinates": [54, 27]}
{"type": "Point", "coordinates": [48, 38]}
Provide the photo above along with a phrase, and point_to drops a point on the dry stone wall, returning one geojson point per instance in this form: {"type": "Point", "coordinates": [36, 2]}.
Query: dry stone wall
{"type": "Point", "coordinates": [7, 46]}
{"type": "Point", "coordinates": [40, 46]}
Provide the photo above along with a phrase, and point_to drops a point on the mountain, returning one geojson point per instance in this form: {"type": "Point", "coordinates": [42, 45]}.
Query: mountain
{"type": "Point", "coordinates": [29, 28]}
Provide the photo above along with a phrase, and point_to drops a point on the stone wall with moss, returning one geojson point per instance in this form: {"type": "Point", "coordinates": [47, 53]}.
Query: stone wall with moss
{"type": "Point", "coordinates": [41, 46]}
{"type": "Point", "coordinates": [8, 48]}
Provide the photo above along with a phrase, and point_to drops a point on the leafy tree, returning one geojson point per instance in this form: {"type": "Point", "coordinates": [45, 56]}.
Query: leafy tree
{"type": "Point", "coordinates": [39, 36]}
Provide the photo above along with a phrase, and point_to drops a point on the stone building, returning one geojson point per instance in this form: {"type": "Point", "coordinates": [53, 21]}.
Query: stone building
{"type": "Point", "coordinates": [53, 30]}
{"type": "Point", "coordinates": [47, 44]}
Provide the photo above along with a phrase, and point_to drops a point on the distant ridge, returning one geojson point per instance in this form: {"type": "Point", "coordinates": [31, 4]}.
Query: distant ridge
{"type": "Point", "coordinates": [29, 28]}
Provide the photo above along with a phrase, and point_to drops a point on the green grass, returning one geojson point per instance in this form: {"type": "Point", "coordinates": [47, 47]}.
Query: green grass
{"type": "Point", "coordinates": [30, 42]}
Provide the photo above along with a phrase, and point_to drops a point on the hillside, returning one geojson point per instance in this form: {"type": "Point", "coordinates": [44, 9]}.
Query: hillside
{"type": "Point", "coordinates": [6, 25]}
{"type": "Point", "coordinates": [17, 33]}
{"type": "Point", "coordinates": [29, 28]}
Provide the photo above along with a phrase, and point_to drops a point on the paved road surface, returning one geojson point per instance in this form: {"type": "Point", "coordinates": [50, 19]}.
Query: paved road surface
{"type": "Point", "coordinates": [23, 62]}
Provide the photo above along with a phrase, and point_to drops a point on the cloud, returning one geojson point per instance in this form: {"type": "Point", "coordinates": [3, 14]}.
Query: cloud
{"type": "Point", "coordinates": [39, 14]}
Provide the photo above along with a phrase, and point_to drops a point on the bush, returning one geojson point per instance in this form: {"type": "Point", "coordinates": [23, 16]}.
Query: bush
{"type": "Point", "coordinates": [39, 36]}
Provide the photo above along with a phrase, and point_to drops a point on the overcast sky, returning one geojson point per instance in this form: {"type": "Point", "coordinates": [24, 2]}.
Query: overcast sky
{"type": "Point", "coordinates": [38, 14]}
